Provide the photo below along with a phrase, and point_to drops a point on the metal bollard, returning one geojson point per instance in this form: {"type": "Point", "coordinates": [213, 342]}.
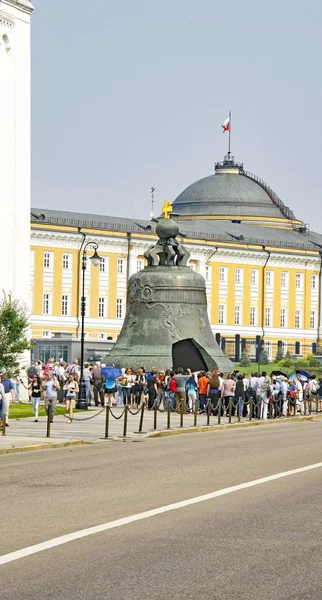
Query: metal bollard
{"type": "Point", "coordinates": [155, 409]}
{"type": "Point", "coordinates": [48, 421]}
{"type": "Point", "coordinates": [195, 413]}
{"type": "Point", "coordinates": [230, 410]}
{"type": "Point", "coordinates": [280, 407]}
{"type": "Point", "coordinates": [107, 420]}
{"type": "Point", "coordinates": [208, 412]}
{"type": "Point", "coordinates": [250, 408]}
{"type": "Point", "coordinates": [238, 408]}
{"type": "Point", "coordinates": [219, 410]}
{"type": "Point", "coordinates": [305, 401]}
{"type": "Point", "coordinates": [141, 417]}
{"type": "Point", "coordinates": [181, 412]}
{"type": "Point", "coordinates": [125, 420]}
{"type": "Point", "coordinates": [310, 404]}
{"type": "Point", "coordinates": [3, 425]}
{"type": "Point", "coordinates": [316, 404]}
{"type": "Point", "coordinates": [169, 413]}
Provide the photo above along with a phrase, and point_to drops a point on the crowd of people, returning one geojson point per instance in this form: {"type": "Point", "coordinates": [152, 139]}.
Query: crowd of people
{"type": "Point", "coordinates": [266, 396]}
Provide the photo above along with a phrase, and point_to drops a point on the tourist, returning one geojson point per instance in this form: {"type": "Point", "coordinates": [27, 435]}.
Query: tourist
{"type": "Point", "coordinates": [51, 386]}
{"type": "Point", "coordinates": [228, 393]}
{"type": "Point", "coordinates": [172, 385]}
{"type": "Point", "coordinates": [8, 393]}
{"type": "Point", "coordinates": [161, 385]}
{"type": "Point", "coordinates": [109, 391]}
{"type": "Point", "coordinates": [87, 377]}
{"type": "Point", "coordinates": [181, 380]}
{"type": "Point", "coordinates": [126, 381]}
{"type": "Point", "coordinates": [35, 394]}
{"type": "Point", "coordinates": [152, 389]}
{"type": "Point", "coordinates": [191, 387]}
{"type": "Point", "coordinates": [98, 384]}
{"type": "Point", "coordinates": [138, 387]}
{"type": "Point", "coordinates": [214, 391]}
{"type": "Point", "coordinates": [239, 396]}
{"type": "Point", "coordinates": [2, 399]}
{"type": "Point", "coordinates": [202, 390]}
{"type": "Point", "coordinates": [72, 389]}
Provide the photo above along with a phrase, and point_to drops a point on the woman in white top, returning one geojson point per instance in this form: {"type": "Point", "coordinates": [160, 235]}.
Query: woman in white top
{"type": "Point", "coordinates": [72, 389]}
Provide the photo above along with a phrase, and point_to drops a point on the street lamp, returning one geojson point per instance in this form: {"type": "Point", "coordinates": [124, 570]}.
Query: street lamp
{"type": "Point", "coordinates": [95, 260]}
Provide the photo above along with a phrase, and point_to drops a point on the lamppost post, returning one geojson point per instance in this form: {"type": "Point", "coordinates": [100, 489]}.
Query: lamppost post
{"type": "Point", "coordinates": [95, 259]}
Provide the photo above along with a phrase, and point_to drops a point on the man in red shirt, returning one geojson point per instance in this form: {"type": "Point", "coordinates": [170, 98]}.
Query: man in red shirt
{"type": "Point", "coordinates": [202, 389]}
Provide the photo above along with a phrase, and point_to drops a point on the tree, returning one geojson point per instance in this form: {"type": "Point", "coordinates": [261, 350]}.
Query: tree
{"type": "Point", "coordinates": [280, 354]}
{"type": "Point", "coordinates": [245, 360]}
{"type": "Point", "coordinates": [13, 332]}
{"type": "Point", "coordinates": [263, 357]}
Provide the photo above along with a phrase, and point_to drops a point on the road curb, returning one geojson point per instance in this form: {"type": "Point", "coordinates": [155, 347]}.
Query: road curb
{"type": "Point", "coordinates": [43, 446]}
{"type": "Point", "coordinates": [205, 428]}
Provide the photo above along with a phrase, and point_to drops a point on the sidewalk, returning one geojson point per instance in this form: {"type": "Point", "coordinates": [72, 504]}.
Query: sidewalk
{"type": "Point", "coordinates": [89, 427]}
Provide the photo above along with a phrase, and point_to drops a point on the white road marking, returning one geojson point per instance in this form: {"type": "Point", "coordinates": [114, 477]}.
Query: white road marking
{"type": "Point", "coordinates": [77, 535]}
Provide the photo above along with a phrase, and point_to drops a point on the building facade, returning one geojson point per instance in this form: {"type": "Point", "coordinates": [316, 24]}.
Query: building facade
{"type": "Point", "coordinates": [15, 145]}
{"type": "Point", "coordinates": [262, 267]}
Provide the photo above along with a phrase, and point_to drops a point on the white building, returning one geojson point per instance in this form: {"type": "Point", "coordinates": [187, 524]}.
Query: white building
{"type": "Point", "coordinates": [15, 146]}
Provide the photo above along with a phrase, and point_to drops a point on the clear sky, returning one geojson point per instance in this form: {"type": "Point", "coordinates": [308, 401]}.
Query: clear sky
{"type": "Point", "coordinates": [130, 94]}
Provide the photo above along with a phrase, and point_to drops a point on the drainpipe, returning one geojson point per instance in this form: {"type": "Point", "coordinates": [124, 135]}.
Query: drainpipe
{"type": "Point", "coordinates": [78, 279]}
{"type": "Point", "coordinates": [129, 238]}
{"type": "Point", "coordinates": [319, 304]}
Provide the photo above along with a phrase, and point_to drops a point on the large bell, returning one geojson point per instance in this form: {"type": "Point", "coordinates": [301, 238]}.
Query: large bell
{"type": "Point", "coordinates": [166, 323]}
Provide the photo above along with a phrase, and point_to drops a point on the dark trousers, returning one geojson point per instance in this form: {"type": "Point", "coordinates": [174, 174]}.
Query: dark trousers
{"type": "Point", "coordinates": [98, 388]}
{"type": "Point", "coordinates": [151, 399]}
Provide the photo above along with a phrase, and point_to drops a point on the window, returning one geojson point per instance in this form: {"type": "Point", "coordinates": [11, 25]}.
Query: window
{"type": "Point", "coordinates": [238, 276]}
{"type": "Point", "coordinates": [119, 308]}
{"type": "Point", "coordinates": [268, 348]}
{"type": "Point", "coordinates": [268, 317]}
{"type": "Point", "coordinates": [314, 282]}
{"type": "Point", "coordinates": [269, 278]}
{"type": "Point", "coordinates": [283, 318]}
{"type": "Point", "coordinates": [252, 316]}
{"type": "Point", "coordinates": [120, 266]}
{"type": "Point", "coordinates": [139, 265]}
{"type": "Point", "coordinates": [313, 319]}
{"type": "Point", "coordinates": [47, 260]}
{"type": "Point", "coordinates": [253, 276]}
{"type": "Point", "coordinates": [237, 315]}
{"type": "Point", "coordinates": [66, 261]}
{"type": "Point", "coordinates": [101, 306]}
{"type": "Point", "coordinates": [298, 280]}
{"type": "Point", "coordinates": [223, 274]}
{"type": "Point", "coordinates": [46, 304]}
{"type": "Point", "coordinates": [102, 265]}
{"type": "Point", "coordinates": [102, 336]}
{"type": "Point", "coordinates": [64, 305]}
{"type": "Point", "coordinates": [46, 333]}
{"type": "Point", "coordinates": [297, 319]}
{"type": "Point", "coordinates": [221, 314]}
{"type": "Point", "coordinates": [283, 279]}
{"type": "Point", "coordinates": [207, 273]}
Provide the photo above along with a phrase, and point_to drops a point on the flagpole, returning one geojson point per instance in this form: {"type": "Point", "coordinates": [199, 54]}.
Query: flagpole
{"type": "Point", "coordinates": [229, 132]}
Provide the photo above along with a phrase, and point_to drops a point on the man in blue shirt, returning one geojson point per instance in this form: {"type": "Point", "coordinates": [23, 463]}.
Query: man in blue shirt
{"type": "Point", "coordinates": [8, 395]}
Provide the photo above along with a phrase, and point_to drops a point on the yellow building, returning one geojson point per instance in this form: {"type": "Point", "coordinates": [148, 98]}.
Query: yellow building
{"type": "Point", "coordinates": [262, 268]}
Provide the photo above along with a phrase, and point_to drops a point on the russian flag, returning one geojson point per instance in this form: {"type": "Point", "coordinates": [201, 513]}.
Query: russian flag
{"type": "Point", "coordinates": [226, 125]}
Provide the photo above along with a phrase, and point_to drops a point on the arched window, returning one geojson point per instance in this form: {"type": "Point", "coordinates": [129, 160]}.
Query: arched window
{"type": "Point", "coordinates": [6, 42]}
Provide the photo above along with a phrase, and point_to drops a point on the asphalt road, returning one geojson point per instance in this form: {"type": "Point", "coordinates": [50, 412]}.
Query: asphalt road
{"type": "Point", "coordinates": [258, 543]}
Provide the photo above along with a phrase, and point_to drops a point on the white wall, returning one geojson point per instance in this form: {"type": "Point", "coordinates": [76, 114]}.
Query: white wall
{"type": "Point", "coordinates": [15, 147]}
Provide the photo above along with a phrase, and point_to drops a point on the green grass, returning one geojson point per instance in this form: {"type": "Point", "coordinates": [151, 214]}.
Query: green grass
{"type": "Point", "coordinates": [23, 411]}
{"type": "Point", "coordinates": [272, 366]}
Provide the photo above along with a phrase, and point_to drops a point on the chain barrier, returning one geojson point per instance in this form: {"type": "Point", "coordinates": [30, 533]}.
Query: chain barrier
{"type": "Point", "coordinates": [99, 412]}
{"type": "Point", "coordinates": [231, 407]}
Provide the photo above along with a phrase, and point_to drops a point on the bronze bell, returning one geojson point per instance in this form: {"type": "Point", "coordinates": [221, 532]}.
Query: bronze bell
{"type": "Point", "coordinates": [166, 324]}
